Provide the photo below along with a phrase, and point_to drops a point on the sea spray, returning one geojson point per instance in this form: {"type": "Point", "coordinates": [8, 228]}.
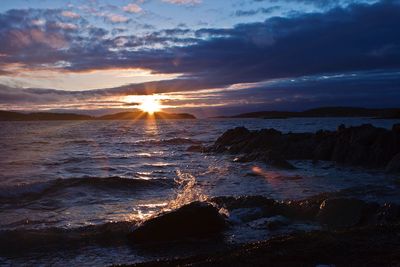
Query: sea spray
{"type": "Point", "coordinates": [187, 191]}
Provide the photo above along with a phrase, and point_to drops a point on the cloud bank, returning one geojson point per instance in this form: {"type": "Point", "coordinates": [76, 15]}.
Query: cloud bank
{"type": "Point", "coordinates": [358, 39]}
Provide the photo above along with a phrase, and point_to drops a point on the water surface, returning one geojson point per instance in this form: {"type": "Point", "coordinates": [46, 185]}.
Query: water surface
{"type": "Point", "coordinates": [70, 175]}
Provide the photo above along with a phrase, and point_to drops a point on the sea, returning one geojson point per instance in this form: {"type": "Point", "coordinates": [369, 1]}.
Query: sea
{"type": "Point", "coordinates": [71, 191]}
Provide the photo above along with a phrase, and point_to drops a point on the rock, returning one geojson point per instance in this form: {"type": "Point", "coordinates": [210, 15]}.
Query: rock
{"type": "Point", "coordinates": [246, 215]}
{"type": "Point", "coordinates": [299, 210]}
{"type": "Point", "coordinates": [377, 246]}
{"type": "Point", "coordinates": [396, 127]}
{"type": "Point", "coordinates": [242, 202]}
{"type": "Point", "coordinates": [364, 145]}
{"type": "Point", "coordinates": [277, 222]}
{"type": "Point", "coordinates": [233, 136]}
{"type": "Point", "coordinates": [196, 148]}
{"type": "Point", "coordinates": [196, 220]}
{"type": "Point", "coordinates": [388, 213]}
{"type": "Point", "coordinates": [280, 163]}
{"type": "Point", "coordinates": [341, 212]}
{"type": "Point", "coordinates": [269, 157]}
{"type": "Point", "coordinates": [341, 127]}
{"type": "Point", "coordinates": [394, 164]}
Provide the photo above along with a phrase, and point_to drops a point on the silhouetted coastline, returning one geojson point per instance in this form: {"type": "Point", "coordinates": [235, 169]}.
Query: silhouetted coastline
{"type": "Point", "coordinates": [129, 115]}
{"type": "Point", "coordinates": [389, 113]}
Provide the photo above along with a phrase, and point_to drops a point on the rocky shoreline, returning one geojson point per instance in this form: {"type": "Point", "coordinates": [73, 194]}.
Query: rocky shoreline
{"type": "Point", "coordinates": [370, 246]}
{"type": "Point", "coordinates": [366, 146]}
{"type": "Point", "coordinates": [352, 233]}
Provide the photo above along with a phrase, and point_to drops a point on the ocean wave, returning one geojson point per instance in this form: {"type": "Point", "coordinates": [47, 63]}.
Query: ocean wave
{"type": "Point", "coordinates": [78, 160]}
{"type": "Point", "coordinates": [172, 141]}
{"type": "Point", "coordinates": [111, 233]}
{"type": "Point", "coordinates": [36, 190]}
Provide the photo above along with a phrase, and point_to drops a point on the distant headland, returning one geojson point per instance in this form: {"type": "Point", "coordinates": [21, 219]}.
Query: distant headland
{"type": "Point", "coordinates": [389, 113]}
{"type": "Point", "coordinates": [129, 115]}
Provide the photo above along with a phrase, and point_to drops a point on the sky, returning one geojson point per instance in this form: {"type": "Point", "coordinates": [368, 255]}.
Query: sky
{"type": "Point", "coordinates": [207, 57]}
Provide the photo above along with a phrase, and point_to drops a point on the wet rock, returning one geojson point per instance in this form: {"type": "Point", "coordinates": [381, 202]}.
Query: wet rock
{"type": "Point", "coordinates": [196, 148]}
{"type": "Point", "coordinates": [196, 220]}
{"type": "Point", "coordinates": [374, 246]}
{"type": "Point", "coordinates": [280, 163]}
{"type": "Point", "coordinates": [242, 202]}
{"type": "Point", "coordinates": [396, 127]}
{"type": "Point", "coordinates": [276, 222]}
{"type": "Point", "coordinates": [245, 215]}
{"type": "Point", "coordinates": [271, 223]}
{"type": "Point", "coordinates": [296, 210]}
{"type": "Point", "coordinates": [299, 210]}
{"type": "Point", "coordinates": [388, 213]}
{"type": "Point", "coordinates": [364, 145]}
{"type": "Point", "coordinates": [341, 212]}
{"type": "Point", "coordinates": [394, 164]}
{"type": "Point", "coordinates": [269, 157]}
{"type": "Point", "coordinates": [233, 136]}
{"type": "Point", "coordinates": [341, 127]}
{"type": "Point", "coordinates": [325, 145]}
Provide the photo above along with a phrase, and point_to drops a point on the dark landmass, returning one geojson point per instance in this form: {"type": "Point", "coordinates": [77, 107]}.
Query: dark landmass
{"type": "Point", "coordinates": [46, 116]}
{"type": "Point", "coordinates": [391, 113]}
{"type": "Point", "coordinates": [40, 116]}
{"type": "Point", "coordinates": [364, 145]}
{"type": "Point", "coordinates": [138, 115]}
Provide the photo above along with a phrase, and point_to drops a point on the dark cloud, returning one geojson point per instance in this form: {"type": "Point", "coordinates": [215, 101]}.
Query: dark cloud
{"type": "Point", "coordinates": [357, 38]}
{"type": "Point", "coordinates": [325, 4]}
{"type": "Point", "coordinates": [252, 12]}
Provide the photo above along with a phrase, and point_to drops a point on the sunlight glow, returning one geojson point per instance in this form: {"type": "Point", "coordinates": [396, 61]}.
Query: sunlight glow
{"type": "Point", "coordinates": [150, 105]}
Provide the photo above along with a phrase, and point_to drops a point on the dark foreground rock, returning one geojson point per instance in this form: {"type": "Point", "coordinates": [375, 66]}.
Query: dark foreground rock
{"type": "Point", "coordinates": [196, 220]}
{"type": "Point", "coordinates": [365, 145]}
{"type": "Point", "coordinates": [371, 246]}
{"type": "Point", "coordinates": [330, 210]}
{"type": "Point", "coordinates": [394, 164]}
{"type": "Point", "coordinates": [342, 212]}
{"type": "Point", "coordinates": [357, 233]}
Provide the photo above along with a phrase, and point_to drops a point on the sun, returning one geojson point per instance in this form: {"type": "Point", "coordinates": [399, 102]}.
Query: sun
{"type": "Point", "coordinates": [150, 104]}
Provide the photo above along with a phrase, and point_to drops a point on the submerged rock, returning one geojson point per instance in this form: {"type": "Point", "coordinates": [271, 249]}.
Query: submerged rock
{"type": "Point", "coordinates": [196, 220]}
{"type": "Point", "coordinates": [341, 212]}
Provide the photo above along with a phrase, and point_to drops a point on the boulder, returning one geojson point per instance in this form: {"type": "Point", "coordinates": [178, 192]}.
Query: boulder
{"type": "Point", "coordinates": [388, 213]}
{"type": "Point", "coordinates": [233, 136]}
{"type": "Point", "coordinates": [242, 202]}
{"type": "Point", "coordinates": [394, 164]}
{"type": "Point", "coordinates": [196, 220]}
{"type": "Point", "coordinates": [363, 145]}
{"type": "Point", "coordinates": [341, 212]}
{"type": "Point", "coordinates": [396, 128]}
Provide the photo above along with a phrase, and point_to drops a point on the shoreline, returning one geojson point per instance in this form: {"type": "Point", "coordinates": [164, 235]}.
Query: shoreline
{"type": "Point", "coordinates": [369, 246]}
